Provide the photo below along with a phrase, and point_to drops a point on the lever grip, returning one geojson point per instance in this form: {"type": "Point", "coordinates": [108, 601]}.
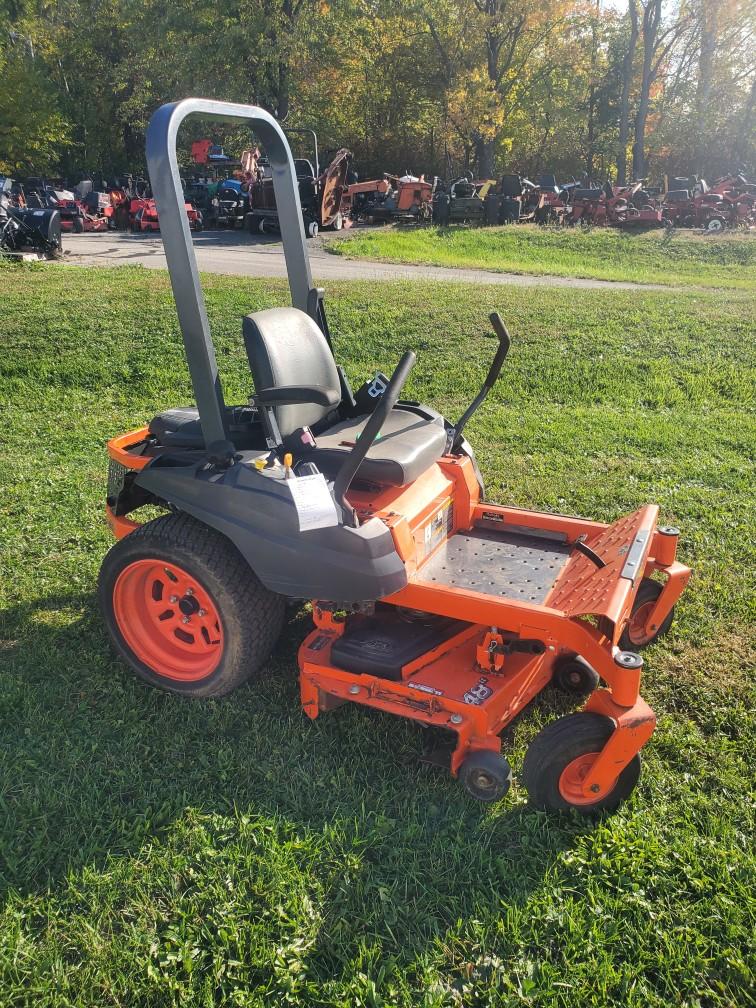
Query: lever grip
{"type": "Point", "coordinates": [504, 343]}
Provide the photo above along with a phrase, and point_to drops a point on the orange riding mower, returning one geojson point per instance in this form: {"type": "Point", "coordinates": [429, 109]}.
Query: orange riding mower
{"type": "Point", "coordinates": [428, 602]}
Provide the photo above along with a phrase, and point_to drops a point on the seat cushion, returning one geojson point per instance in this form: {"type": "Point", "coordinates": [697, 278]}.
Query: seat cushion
{"type": "Point", "coordinates": [406, 446]}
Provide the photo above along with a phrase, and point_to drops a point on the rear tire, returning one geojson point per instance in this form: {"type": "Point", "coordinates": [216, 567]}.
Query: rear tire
{"type": "Point", "coordinates": [561, 755]}
{"type": "Point", "coordinates": [211, 639]}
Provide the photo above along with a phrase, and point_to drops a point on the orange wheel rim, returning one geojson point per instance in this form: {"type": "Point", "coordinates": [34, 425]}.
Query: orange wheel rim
{"type": "Point", "coordinates": [572, 777]}
{"type": "Point", "coordinates": [636, 628]}
{"type": "Point", "coordinates": [168, 620]}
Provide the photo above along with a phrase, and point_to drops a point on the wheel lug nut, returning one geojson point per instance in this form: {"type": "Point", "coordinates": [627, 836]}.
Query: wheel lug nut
{"type": "Point", "coordinates": [185, 619]}
{"type": "Point", "coordinates": [173, 599]}
{"type": "Point", "coordinates": [202, 612]}
{"type": "Point", "coordinates": [190, 591]}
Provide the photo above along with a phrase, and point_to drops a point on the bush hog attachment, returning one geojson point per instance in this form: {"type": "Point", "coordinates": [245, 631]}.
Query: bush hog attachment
{"type": "Point", "coordinates": [428, 601]}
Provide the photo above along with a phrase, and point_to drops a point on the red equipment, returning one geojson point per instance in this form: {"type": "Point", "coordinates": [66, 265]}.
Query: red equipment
{"type": "Point", "coordinates": [706, 211]}
{"type": "Point", "coordinates": [143, 216]}
{"type": "Point", "coordinates": [628, 207]}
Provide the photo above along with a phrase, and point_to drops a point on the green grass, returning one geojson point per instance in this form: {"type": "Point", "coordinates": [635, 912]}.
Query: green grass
{"type": "Point", "coordinates": [159, 853]}
{"type": "Point", "coordinates": [682, 260]}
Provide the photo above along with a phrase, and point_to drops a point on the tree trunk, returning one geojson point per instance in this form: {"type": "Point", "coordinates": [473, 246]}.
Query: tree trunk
{"type": "Point", "coordinates": [651, 19]}
{"type": "Point", "coordinates": [590, 139]}
{"type": "Point", "coordinates": [743, 135]}
{"type": "Point", "coordinates": [282, 101]}
{"type": "Point", "coordinates": [484, 155]}
{"type": "Point", "coordinates": [709, 21]}
{"type": "Point", "coordinates": [627, 83]}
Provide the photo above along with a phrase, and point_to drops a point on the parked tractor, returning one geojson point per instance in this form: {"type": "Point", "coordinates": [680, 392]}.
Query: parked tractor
{"type": "Point", "coordinates": [461, 201]}
{"type": "Point", "coordinates": [321, 193]}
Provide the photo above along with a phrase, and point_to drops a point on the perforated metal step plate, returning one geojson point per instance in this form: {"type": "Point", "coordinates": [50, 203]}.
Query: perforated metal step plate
{"type": "Point", "coordinates": [507, 564]}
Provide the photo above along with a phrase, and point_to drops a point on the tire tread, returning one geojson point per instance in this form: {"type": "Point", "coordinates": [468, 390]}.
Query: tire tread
{"type": "Point", "coordinates": [263, 610]}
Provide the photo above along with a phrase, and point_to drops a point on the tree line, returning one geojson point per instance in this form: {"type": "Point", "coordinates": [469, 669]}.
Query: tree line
{"type": "Point", "coordinates": [619, 89]}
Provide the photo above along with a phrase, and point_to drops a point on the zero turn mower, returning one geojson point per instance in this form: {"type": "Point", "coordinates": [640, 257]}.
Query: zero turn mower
{"type": "Point", "coordinates": [428, 601]}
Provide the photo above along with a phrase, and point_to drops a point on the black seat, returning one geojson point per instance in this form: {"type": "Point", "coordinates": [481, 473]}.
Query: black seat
{"type": "Point", "coordinates": [303, 168]}
{"type": "Point", "coordinates": [510, 185]}
{"type": "Point", "coordinates": [286, 349]}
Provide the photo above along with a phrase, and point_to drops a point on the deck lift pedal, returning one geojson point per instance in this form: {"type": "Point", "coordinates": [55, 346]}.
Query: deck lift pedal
{"type": "Point", "coordinates": [428, 601]}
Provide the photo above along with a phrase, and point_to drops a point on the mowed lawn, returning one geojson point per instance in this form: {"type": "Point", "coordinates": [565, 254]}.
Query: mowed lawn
{"type": "Point", "coordinates": [156, 852]}
{"type": "Point", "coordinates": [682, 259]}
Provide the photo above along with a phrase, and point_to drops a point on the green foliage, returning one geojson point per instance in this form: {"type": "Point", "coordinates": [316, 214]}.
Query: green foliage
{"type": "Point", "coordinates": [432, 86]}
{"type": "Point", "coordinates": [32, 130]}
{"type": "Point", "coordinates": [157, 853]}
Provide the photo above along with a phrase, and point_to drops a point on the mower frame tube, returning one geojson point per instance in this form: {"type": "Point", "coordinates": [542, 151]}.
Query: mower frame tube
{"type": "Point", "coordinates": [163, 168]}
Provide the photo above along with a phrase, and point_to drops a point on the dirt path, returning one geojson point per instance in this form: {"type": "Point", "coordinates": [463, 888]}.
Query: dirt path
{"type": "Point", "coordinates": [240, 254]}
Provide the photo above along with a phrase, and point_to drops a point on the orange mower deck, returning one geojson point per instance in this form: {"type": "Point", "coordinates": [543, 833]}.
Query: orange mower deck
{"type": "Point", "coordinates": [470, 684]}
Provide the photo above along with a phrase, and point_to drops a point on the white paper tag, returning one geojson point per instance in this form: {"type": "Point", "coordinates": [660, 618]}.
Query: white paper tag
{"type": "Point", "coordinates": [313, 501]}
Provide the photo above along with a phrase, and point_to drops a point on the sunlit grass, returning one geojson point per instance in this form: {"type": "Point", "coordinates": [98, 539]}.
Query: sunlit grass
{"type": "Point", "coordinates": [683, 259]}
{"type": "Point", "coordinates": [156, 852]}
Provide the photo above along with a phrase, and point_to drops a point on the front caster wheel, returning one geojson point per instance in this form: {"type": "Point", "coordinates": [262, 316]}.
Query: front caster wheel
{"type": "Point", "coordinates": [486, 775]}
{"type": "Point", "coordinates": [574, 675]}
{"type": "Point", "coordinates": [637, 634]}
{"type": "Point", "coordinates": [559, 759]}
{"type": "Point", "coordinates": [184, 609]}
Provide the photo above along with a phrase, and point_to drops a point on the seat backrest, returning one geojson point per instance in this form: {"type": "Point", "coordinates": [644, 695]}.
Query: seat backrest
{"type": "Point", "coordinates": [511, 185]}
{"type": "Point", "coordinates": [286, 347]}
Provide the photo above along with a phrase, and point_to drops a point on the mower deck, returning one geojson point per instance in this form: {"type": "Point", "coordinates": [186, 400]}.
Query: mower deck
{"type": "Point", "coordinates": [519, 584]}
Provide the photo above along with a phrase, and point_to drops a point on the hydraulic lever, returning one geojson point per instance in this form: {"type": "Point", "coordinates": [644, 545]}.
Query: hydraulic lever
{"type": "Point", "coordinates": [493, 373]}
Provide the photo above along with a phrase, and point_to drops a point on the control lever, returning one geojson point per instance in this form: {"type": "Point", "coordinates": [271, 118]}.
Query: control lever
{"type": "Point", "coordinates": [370, 432]}
{"type": "Point", "coordinates": [493, 373]}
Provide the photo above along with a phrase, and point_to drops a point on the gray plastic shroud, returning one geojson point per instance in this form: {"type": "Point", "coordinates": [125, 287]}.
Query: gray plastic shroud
{"type": "Point", "coordinates": [162, 164]}
{"type": "Point", "coordinates": [254, 511]}
{"type": "Point", "coordinates": [257, 514]}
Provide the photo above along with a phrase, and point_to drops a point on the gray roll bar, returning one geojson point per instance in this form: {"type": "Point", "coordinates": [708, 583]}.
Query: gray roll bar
{"type": "Point", "coordinates": [163, 169]}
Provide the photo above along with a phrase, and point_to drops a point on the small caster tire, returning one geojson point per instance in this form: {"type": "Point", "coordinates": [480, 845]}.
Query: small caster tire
{"type": "Point", "coordinates": [486, 775]}
{"type": "Point", "coordinates": [560, 757]}
{"type": "Point", "coordinates": [78, 225]}
{"type": "Point", "coordinates": [338, 222]}
{"type": "Point", "coordinates": [574, 675]}
{"type": "Point", "coordinates": [635, 635]}
{"type": "Point", "coordinates": [312, 229]}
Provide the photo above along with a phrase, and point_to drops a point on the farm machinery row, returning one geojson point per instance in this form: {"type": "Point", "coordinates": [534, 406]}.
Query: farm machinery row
{"type": "Point", "coordinates": [226, 193]}
{"type": "Point", "coordinates": [124, 203]}
{"type": "Point", "coordinates": [690, 203]}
